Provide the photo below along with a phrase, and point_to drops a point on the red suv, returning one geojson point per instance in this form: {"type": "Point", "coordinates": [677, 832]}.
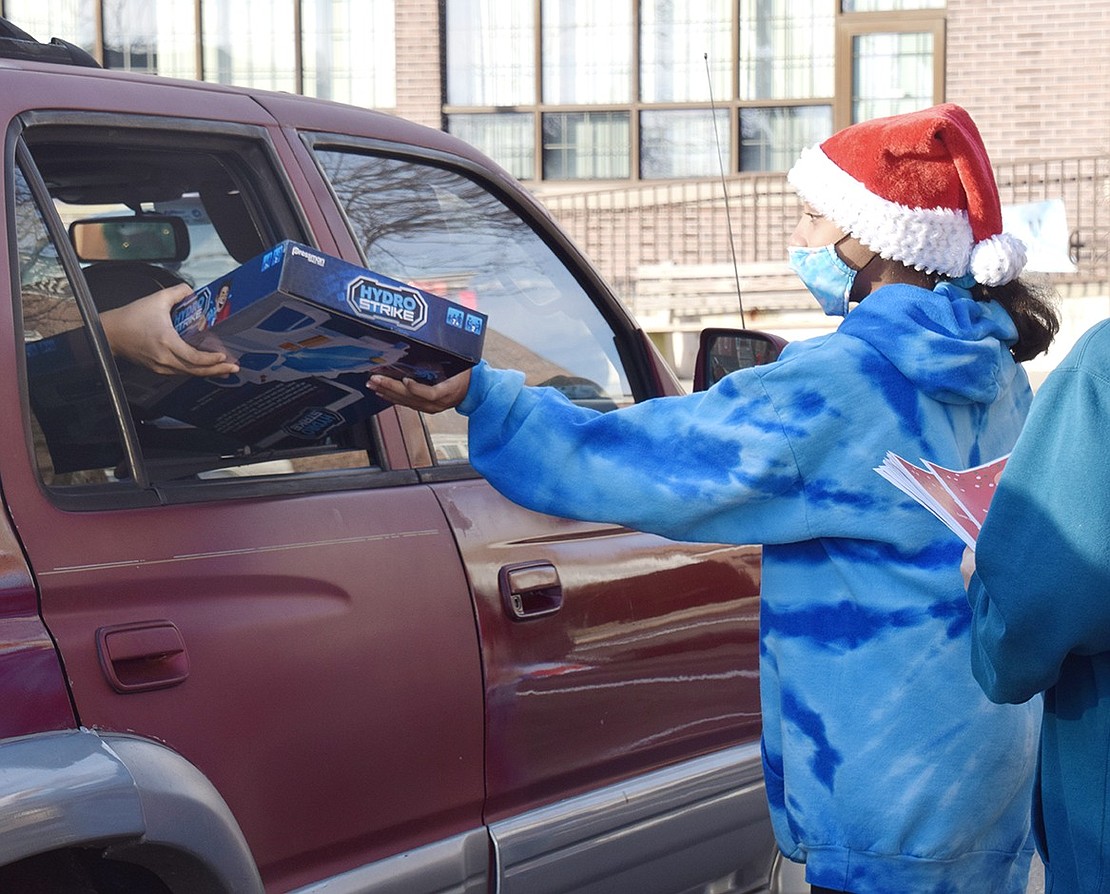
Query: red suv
{"type": "Point", "coordinates": [347, 665]}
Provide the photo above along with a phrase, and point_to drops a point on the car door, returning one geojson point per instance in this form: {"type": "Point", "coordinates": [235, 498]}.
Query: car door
{"type": "Point", "coordinates": [608, 655]}
{"type": "Point", "coordinates": [299, 627]}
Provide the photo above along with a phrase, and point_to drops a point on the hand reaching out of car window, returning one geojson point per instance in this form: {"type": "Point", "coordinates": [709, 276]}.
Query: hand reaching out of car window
{"type": "Point", "coordinates": [142, 332]}
{"type": "Point", "coordinates": [427, 398]}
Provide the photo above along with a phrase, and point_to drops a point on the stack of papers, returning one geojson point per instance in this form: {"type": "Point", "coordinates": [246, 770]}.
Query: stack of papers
{"type": "Point", "coordinates": [960, 499]}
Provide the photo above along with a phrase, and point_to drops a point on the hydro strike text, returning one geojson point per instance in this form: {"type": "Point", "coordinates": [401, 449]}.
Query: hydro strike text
{"type": "Point", "coordinates": [403, 307]}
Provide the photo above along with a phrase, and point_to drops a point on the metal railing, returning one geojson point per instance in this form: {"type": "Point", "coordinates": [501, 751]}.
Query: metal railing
{"type": "Point", "coordinates": [1083, 183]}
{"type": "Point", "coordinates": [629, 230]}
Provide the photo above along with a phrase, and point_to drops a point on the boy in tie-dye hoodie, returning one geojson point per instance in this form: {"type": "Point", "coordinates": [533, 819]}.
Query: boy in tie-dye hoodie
{"type": "Point", "coordinates": [887, 769]}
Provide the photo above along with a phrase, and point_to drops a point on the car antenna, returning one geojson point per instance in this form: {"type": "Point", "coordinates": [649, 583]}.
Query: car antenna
{"type": "Point", "coordinates": [724, 190]}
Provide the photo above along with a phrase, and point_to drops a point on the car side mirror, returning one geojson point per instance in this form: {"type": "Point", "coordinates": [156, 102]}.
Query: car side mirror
{"type": "Point", "coordinates": [149, 238]}
{"type": "Point", "coordinates": [723, 351]}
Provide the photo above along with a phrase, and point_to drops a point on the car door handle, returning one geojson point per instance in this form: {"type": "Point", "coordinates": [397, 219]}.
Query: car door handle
{"type": "Point", "coordinates": [142, 656]}
{"type": "Point", "coordinates": [530, 590]}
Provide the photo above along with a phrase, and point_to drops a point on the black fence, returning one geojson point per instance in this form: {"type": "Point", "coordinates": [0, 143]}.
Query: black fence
{"type": "Point", "coordinates": [627, 231]}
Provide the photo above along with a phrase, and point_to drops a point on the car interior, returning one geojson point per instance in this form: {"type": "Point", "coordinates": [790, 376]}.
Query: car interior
{"type": "Point", "coordinates": [143, 214]}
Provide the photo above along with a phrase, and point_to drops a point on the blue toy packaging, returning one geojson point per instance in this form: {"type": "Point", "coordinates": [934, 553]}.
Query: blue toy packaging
{"type": "Point", "coordinates": [306, 329]}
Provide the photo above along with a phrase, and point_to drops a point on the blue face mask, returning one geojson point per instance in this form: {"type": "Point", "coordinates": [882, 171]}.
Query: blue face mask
{"type": "Point", "coordinates": [826, 276]}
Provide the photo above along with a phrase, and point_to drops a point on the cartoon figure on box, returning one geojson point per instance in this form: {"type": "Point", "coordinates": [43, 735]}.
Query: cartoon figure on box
{"type": "Point", "coordinates": [200, 310]}
{"type": "Point", "coordinates": [223, 302]}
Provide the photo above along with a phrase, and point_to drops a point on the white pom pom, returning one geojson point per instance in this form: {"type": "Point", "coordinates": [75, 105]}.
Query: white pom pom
{"type": "Point", "coordinates": [997, 260]}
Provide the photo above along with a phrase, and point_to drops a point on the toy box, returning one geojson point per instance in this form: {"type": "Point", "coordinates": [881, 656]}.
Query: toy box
{"type": "Point", "coordinates": [306, 329]}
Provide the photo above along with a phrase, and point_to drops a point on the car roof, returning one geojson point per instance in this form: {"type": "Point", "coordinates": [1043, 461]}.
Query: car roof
{"type": "Point", "coordinates": [290, 109]}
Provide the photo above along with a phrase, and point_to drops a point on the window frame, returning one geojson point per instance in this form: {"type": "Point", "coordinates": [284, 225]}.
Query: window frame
{"type": "Point", "coordinates": [628, 339]}
{"type": "Point", "coordinates": [136, 491]}
{"type": "Point", "coordinates": [858, 24]}
{"type": "Point", "coordinates": [274, 195]}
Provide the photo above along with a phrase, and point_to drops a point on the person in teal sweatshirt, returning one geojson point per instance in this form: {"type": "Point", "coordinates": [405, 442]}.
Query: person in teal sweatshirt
{"type": "Point", "coordinates": [1040, 598]}
{"type": "Point", "coordinates": [887, 769]}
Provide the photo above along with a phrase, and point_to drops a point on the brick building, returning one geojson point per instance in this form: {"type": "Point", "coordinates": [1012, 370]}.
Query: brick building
{"type": "Point", "coordinates": [1035, 76]}
{"type": "Point", "coordinates": [634, 120]}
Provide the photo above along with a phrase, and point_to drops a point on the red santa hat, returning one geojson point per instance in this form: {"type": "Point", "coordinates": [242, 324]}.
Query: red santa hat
{"type": "Point", "coordinates": [916, 188]}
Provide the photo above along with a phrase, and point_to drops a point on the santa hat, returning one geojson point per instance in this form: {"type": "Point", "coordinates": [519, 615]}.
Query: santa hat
{"type": "Point", "coordinates": [916, 188]}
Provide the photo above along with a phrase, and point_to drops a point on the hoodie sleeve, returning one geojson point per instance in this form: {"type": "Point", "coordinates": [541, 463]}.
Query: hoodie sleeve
{"type": "Point", "coordinates": [714, 466]}
{"type": "Point", "coordinates": [1043, 556]}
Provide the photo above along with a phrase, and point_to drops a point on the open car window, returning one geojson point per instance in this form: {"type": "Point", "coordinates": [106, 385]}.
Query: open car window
{"type": "Point", "coordinates": [107, 215]}
{"type": "Point", "coordinates": [443, 231]}
{"type": "Point", "coordinates": [69, 392]}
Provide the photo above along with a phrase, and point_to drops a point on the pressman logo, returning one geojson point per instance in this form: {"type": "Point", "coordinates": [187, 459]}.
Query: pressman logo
{"type": "Point", "coordinates": [299, 252]}
{"type": "Point", "coordinates": [405, 308]}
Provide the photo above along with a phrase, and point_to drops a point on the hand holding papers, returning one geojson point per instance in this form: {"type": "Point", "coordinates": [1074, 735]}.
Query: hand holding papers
{"type": "Point", "coordinates": [958, 498]}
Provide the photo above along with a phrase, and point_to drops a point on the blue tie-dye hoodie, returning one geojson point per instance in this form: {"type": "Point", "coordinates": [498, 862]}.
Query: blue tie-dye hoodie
{"type": "Point", "coordinates": [887, 769]}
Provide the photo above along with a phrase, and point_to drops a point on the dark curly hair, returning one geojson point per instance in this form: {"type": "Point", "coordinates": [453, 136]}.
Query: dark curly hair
{"type": "Point", "coordinates": [1033, 310]}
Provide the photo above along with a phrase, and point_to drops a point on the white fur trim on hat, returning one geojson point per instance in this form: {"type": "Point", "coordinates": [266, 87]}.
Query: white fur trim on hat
{"type": "Point", "coordinates": [998, 260]}
{"type": "Point", "coordinates": [933, 240]}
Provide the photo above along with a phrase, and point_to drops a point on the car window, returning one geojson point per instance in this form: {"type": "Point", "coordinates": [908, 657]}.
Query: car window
{"type": "Point", "coordinates": [69, 396]}
{"type": "Point", "coordinates": [438, 229]}
{"type": "Point", "coordinates": [203, 204]}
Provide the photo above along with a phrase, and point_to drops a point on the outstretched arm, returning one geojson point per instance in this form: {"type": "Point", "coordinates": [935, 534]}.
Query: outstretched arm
{"type": "Point", "coordinates": [713, 466]}
{"type": "Point", "coordinates": [426, 398]}
{"type": "Point", "coordinates": [142, 332]}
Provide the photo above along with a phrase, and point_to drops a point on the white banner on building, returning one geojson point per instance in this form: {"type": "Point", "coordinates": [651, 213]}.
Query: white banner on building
{"type": "Point", "coordinates": [1043, 227]}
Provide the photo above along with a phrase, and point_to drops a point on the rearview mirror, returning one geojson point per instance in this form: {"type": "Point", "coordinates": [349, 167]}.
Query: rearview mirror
{"type": "Point", "coordinates": [723, 351]}
{"type": "Point", "coordinates": [151, 238]}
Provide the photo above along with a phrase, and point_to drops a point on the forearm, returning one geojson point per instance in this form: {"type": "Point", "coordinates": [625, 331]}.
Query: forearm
{"type": "Point", "coordinates": [668, 466]}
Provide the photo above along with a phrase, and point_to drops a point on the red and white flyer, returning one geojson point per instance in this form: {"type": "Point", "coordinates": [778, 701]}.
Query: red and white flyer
{"type": "Point", "coordinates": [959, 498]}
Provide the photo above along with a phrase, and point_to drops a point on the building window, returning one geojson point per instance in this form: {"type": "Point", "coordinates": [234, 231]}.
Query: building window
{"type": "Point", "coordinates": [586, 146]}
{"type": "Point", "coordinates": [890, 5]}
{"type": "Point", "coordinates": [347, 51]}
{"type": "Point", "coordinates": [558, 89]}
{"type": "Point", "coordinates": [491, 64]}
{"type": "Point", "coordinates": [772, 138]}
{"type": "Point", "coordinates": [685, 51]}
{"type": "Point", "coordinates": [586, 60]}
{"type": "Point", "coordinates": [72, 20]}
{"type": "Point", "coordinates": [787, 52]}
{"type": "Point", "coordinates": [891, 66]}
{"type": "Point", "coordinates": [893, 73]}
{"type": "Point", "coordinates": [657, 89]}
{"type": "Point", "coordinates": [787, 49]}
{"type": "Point", "coordinates": [490, 53]}
{"type": "Point", "coordinates": [158, 37]}
{"type": "Point", "coordinates": [683, 143]}
{"type": "Point", "coordinates": [587, 52]}
{"type": "Point", "coordinates": [249, 43]}
{"type": "Point", "coordinates": [508, 138]}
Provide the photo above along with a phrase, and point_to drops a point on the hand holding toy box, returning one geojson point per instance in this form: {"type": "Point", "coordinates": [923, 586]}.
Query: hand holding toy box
{"type": "Point", "coordinates": [306, 329]}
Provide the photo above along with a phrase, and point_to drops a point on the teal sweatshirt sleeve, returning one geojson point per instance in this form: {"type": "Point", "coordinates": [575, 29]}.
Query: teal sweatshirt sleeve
{"type": "Point", "coordinates": [1043, 557]}
{"type": "Point", "coordinates": [714, 466]}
